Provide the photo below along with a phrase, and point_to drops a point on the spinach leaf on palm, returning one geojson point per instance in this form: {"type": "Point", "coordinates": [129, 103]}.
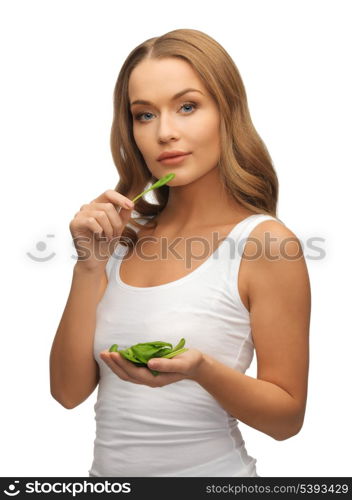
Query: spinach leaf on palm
{"type": "Point", "coordinates": [140, 354]}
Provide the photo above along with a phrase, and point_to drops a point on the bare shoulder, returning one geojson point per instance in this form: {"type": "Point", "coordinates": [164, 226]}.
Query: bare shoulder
{"type": "Point", "coordinates": [271, 240]}
{"type": "Point", "coordinates": [280, 302]}
{"type": "Point", "coordinates": [274, 256]}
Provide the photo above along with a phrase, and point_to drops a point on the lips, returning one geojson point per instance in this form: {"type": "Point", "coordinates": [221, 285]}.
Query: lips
{"type": "Point", "coordinates": [171, 154]}
{"type": "Point", "coordinates": [175, 160]}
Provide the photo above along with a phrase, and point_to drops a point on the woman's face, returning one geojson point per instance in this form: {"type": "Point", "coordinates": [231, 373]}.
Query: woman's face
{"type": "Point", "coordinates": [189, 123]}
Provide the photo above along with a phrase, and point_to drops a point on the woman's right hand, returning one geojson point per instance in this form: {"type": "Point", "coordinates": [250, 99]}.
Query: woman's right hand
{"type": "Point", "coordinates": [96, 224]}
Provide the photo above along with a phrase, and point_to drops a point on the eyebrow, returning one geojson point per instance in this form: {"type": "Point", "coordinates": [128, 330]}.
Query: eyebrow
{"type": "Point", "coordinates": [176, 96]}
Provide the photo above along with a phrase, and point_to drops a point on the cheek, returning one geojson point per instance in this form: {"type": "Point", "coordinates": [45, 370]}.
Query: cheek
{"type": "Point", "coordinates": [138, 137]}
{"type": "Point", "coordinates": [209, 141]}
{"type": "Point", "coordinates": [142, 140]}
{"type": "Point", "coordinates": [209, 147]}
{"type": "Point", "coordinates": [207, 130]}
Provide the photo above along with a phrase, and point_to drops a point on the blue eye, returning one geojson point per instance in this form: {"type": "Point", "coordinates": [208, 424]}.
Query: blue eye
{"type": "Point", "coordinates": [189, 104]}
{"type": "Point", "coordinates": [139, 115]}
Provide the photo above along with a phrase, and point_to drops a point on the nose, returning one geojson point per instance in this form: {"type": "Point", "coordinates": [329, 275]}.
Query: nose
{"type": "Point", "coordinates": [167, 129]}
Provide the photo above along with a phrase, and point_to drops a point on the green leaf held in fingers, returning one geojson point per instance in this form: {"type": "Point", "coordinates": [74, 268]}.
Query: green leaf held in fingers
{"type": "Point", "coordinates": [157, 184]}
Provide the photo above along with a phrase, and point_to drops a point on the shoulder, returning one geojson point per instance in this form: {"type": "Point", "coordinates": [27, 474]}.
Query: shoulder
{"type": "Point", "coordinates": [271, 240]}
{"type": "Point", "coordinates": [276, 271]}
{"type": "Point", "coordinates": [274, 264]}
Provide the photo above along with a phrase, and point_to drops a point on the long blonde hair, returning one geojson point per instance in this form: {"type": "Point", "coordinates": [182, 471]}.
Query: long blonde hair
{"type": "Point", "coordinates": [245, 167]}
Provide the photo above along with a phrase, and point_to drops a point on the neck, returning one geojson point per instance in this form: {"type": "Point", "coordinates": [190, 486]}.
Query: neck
{"type": "Point", "coordinates": [203, 202]}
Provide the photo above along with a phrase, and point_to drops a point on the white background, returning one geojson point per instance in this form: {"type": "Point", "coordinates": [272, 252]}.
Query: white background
{"type": "Point", "coordinates": [59, 64]}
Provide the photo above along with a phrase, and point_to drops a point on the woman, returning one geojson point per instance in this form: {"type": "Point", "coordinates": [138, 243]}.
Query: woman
{"type": "Point", "coordinates": [181, 93]}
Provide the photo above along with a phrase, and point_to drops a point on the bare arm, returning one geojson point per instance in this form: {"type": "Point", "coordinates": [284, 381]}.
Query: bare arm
{"type": "Point", "coordinates": [74, 373]}
{"type": "Point", "coordinates": [279, 295]}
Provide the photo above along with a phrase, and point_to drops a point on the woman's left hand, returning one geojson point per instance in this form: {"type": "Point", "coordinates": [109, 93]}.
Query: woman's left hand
{"type": "Point", "coordinates": [182, 366]}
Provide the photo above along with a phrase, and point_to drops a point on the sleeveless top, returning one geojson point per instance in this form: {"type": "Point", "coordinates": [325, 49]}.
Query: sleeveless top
{"type": "Point", "coordinates": [179, 429]}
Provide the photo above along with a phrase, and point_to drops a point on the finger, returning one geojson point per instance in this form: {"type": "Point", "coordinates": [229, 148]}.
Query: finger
{"type": "Point", "coordinates": [143, 375]}
{"type": "Point", "coordinates": [166, 365]}
{"type": "Point", "coordinates": [135, 372]}
{"type": "Point", "coordinates": [104, 222]}
{"type": "Point", "coordinates": [84, 222]}
{"type": "Point", "coordinates": [113, 217]}
{"type": "Point", "coordinates": [116, 198]}
{"type": "Point", "coordinates": [117, 369]}
{"type": "Point", "coordinates": [90, 222]}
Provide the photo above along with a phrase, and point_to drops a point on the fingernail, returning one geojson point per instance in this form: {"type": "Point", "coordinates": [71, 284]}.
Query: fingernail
{"type": "Point", "coordinates": [129, 204]}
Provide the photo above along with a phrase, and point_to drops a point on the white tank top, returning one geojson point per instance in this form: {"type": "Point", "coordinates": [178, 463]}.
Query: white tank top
{"type": "Point", "coordinates": [179, 429]}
